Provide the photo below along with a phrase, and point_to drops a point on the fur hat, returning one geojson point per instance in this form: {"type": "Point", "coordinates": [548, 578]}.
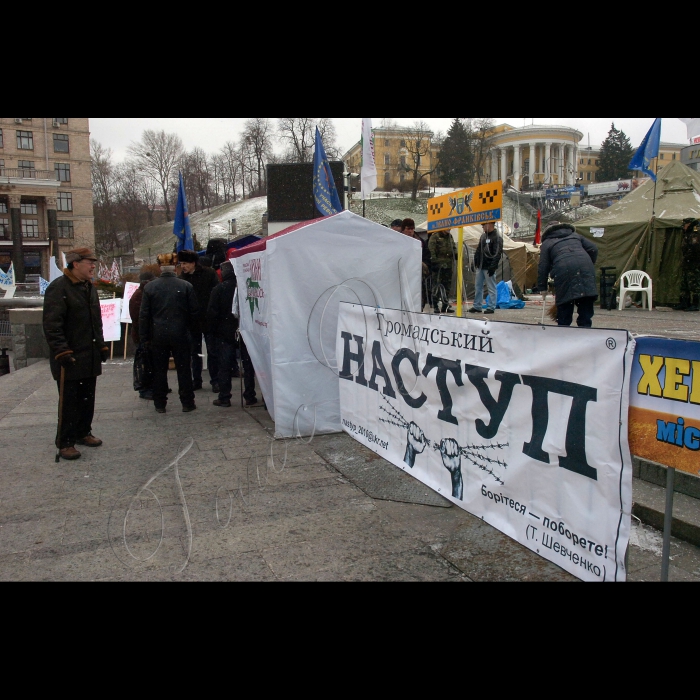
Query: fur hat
{"type": "Point", "coordinates": [187, 256]}
{"type": "Point", "coordinates": [78, 254]}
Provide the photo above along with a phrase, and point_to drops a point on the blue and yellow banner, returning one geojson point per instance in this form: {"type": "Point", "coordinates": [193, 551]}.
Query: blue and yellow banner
{"type": "Point", "coordinates": [476, 205]}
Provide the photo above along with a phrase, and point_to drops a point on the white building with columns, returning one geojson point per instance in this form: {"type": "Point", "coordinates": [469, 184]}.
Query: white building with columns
{"type": "Point", "coordinates": [531, 157]}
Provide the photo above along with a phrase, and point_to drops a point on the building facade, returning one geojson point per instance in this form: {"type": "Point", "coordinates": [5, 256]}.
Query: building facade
{"type": "Point", "coordinates": [396, 150]}
{"type": "Point", "coordinates": [690, 156]}
{"type": "Point", "coordinates": [45, 191]}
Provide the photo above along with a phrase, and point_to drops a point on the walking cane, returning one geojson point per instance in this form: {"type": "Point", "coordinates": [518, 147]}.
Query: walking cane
{"type": "Point", "coordinates": [60, 413]}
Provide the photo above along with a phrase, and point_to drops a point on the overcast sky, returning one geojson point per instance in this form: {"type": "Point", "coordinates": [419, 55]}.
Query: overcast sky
{"type": "Point", "coordinates": [210, 134]}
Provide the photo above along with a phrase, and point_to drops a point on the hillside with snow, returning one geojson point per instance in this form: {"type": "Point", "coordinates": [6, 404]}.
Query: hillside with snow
{"type": "Point", "coordinates": [213, 223]}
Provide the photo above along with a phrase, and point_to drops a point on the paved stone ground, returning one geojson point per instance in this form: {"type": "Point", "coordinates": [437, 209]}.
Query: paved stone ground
{"type": "Point", "coordinates": [251, 517]}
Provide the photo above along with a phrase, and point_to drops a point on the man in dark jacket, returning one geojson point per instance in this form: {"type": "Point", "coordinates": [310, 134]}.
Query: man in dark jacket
{"type": "Point", "coordinates": [143, 368]}
{"type": "Point", "coordinates": [73, 328]}
{"type": "Point", "coordinates": [203, 279]}
{"type": "Point", "coordinates": [223, 325]}
{"type": "Point", "coordinates": [169, 310]}
{"type": "Point", "coordinates": [570, 260]}
{"type": "Point", "coordinates": [487, 258]}
{"type": "Point", "coordinates": [690, 269]}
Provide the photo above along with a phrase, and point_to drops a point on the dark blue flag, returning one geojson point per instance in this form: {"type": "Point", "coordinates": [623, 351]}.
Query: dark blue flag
{"type": "Point", "coordinates": [181, 227]}
{"type": "Point", "coordinates": [325, 192]}
{"type": "Point", "coordinates": [648, 151]}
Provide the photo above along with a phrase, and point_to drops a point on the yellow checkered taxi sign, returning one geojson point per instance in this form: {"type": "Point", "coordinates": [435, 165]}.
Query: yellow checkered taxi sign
{"type": "Point", "coordinates": [476, 205]}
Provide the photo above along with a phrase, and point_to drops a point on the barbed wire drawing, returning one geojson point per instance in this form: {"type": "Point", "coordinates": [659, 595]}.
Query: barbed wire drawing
{"type": "Point", "coordinates": [451, 451]}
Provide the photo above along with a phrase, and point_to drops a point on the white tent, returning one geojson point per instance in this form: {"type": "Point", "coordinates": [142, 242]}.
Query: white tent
{"type": "Point", "coordinates": [290, 286]}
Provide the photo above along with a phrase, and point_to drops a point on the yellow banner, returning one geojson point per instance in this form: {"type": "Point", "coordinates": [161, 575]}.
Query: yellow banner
{"type": "Point", "coordinates": [476, 205]}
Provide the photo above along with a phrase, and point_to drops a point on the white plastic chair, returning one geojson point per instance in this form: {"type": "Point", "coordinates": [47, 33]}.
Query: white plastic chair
{"type": "Point", "coordinates": [632, 282]}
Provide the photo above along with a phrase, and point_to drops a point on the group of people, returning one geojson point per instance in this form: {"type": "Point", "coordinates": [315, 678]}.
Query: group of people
{"type": "Point", "coordinates": [439, 257]}
{"type": "Point", "coordinates": [171, 313]}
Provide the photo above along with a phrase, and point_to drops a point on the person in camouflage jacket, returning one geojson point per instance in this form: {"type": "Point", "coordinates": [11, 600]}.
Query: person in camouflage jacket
{"type": "Point", "coordinates": [443, 255]}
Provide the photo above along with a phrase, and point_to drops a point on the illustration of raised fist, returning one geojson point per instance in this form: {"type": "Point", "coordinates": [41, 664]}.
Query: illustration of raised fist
{"type": "Point", "coordinates": [415, 445]}
{"type": "Point", "coordinates": [452, 460]}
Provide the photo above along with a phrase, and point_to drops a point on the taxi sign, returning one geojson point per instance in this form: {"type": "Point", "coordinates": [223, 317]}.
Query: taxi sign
{"type": "Point", "coordinates": [476, 205]}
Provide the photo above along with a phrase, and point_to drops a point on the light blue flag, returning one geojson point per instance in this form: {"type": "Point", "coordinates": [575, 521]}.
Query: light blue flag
{"type": "Point", "coordinates": [325, 192]}
{"type": "Point", "coordinates": [181, 227]}
{"type": "Point", "coordinates": [8, 278]}
{"type": "Point", "coordinates": [648, 151]}
{"type": "Point", "coordinates": [43, 285]}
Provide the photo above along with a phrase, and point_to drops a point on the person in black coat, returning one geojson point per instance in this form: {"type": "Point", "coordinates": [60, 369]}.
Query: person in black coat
{"type": "Point", "coordinates": [169, 311]}
{"type": "Point", "coordinates": [203, 279]}
{"type": "Point", "coordinates": [223, 325]}
{"type": "Point", "coordinates": [143, 372]}
{"type": "Point", "coordinates": [570, 260]}
{"type": "Point", "coordinates": [72, 321]}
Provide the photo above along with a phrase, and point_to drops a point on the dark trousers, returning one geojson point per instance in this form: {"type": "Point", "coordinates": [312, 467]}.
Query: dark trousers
{"type": "Point", "coordinates": [442, 285]}
{"type": "Point", "coordinates": [160, 357]}
{"type": "Point", "coordinates": [248, 374]}
{"type": "Point", "coordinates": [226, 355]}
{"type": "Point", "coordinates": [143, 370]}
{"type": "Point", "coordinates": [197, 363]}
{"type": "Point", "coordinates": [565, 312]}
{"type": "Point", "coordinates": [75, 420]}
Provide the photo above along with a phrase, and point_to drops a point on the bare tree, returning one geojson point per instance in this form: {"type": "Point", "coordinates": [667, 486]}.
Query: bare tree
{"type": "Point", "coordinates": [480, 132]}
{"type": "Point", "coordinates": [157, 155]}
{"type": "Point", "coordinates": [131, 207]}
{"type": "Point", "coordinates": [232, 169]}
{"type": "Point", "coordinates": [418, 139]}
{"type": "Point", "coordinates": [103, 189]}
{"type": "Point", "coordinates": [299, 136]}
{"type": "Point", "coordinates": [257, 135]}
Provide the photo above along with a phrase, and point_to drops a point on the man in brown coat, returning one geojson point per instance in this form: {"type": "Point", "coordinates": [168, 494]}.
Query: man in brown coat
{"type": "Point", "coordinates": [73, 329]}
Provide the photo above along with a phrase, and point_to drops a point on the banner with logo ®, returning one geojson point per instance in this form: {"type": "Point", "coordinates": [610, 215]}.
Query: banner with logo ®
{"type": "Point", "coordinates": [523, 426]}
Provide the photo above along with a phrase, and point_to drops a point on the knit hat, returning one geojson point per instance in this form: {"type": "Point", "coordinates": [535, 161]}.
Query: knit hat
{"type": "Point", "coordinates": [397, 223]}
{"type": "Point", "coordinates": [187, 256]}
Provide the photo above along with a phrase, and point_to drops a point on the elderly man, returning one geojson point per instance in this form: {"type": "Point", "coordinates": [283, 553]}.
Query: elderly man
{"type": "Point", "coordinates": [73, 329]}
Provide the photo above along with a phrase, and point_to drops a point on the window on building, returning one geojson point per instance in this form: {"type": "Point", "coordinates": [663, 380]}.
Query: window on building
{"type": "Point", "coordinates": [30, 228]}
{"type": "Point", "coordinates": [387, 159]}
{"type": "Point", "coordinates": [25, 140]}
{"type": "Point", "coordinates": [581, 163]}
{"type": "Point", "coordinates": [662, 156]}
{"type": "Point", "coordinates": [597, 162]}
{"type": "Point", "coordinates": [387, 178]}
{"type": "Point", "coordinates": [2, 143]}
{"type": "Point", "coordinates": [65, 229]}
{"type": "Point", "coordinates": [60, 143]}
{"type": "Point", "coordinates": [60, 120]}
{"type": "Point", "coordinates": [64, 201]}
{"type": "Point", "coordinates": [403, 161]}
{"type": "Point", "coordinates": [62, 172]}
{"type": "Point", "coordinates": [590, 161]}
{"type": "Point", "coordinates": [403, 144]}
{"type": "Point", "coordinates": [3, 207]}
{"type": "Point", "coordinates": [674, 156]}
{"type": "Point", "coordinates": [25, 167]}
{"type": "Point", "coordinates": [28, 208]}
{"type": "Point", "coordinates": [588, 176]}
{"type": "Point", "coordinates": [4, 227]}
{"type": "Point", "coordinates": [402, 177]}
{"type": "Point", "coordinates": [2, 167]}
{"type": "Point", "coordinates": [581, 175]}
{"type": "Point", "coordinates": [386, 142]}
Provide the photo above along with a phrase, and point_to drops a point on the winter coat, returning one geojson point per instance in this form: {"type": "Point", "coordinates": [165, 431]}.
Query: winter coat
{"type": "Point", "coordinates": [169, 311]}
{"type": "Point", "coordinates": [203, 279]}
{"type": "Point", "coordinates": [690, 247]}
{"type": "Point", "coordinates": [489, 252]}
{"type": "Point", "coordinates": [442, 249]}
{"type": "Point", "coordinates": [220, 319]}
{"type": "Point", "coordinates": [135, 312]}
{"type": "Point", "coordinates": [73, 324]}
{"type": "Point", "coordinates": [570, 259]}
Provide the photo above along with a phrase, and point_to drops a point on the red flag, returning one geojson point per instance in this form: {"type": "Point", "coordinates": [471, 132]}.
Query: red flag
{"type": "Point", "coordinates": [538, 232]}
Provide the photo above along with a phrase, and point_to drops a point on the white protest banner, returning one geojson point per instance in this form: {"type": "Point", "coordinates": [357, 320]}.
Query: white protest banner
{"type": "Point", "coordinates": [111, 325]}
{"type": "Point", "coordinates": [665, 403]}
{"type": "Point", "coordinates": [524, 426]}
{"type": "Point", "coordinates": [129, 290]}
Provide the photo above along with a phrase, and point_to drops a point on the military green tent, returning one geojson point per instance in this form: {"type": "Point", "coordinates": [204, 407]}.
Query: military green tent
{"type": "Point", "coordinates": [627, 240]}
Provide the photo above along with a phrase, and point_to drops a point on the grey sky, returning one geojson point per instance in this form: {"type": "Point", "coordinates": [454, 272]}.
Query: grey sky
{"type": "Point", "coordinates": [211, 133]}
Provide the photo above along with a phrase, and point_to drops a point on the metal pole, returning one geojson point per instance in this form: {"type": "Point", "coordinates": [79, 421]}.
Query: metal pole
{"type": "Point", "coordinates": [460, 272]}
{"type": "Point", "coordinates": [668, 523]}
